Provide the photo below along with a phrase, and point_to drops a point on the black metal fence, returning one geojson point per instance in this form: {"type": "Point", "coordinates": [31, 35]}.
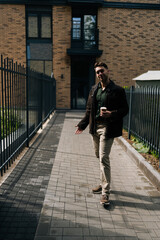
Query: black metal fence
{"type": "Point", "coordinates": [143, 120]}
{"type": "Point", "coordinates": [27, 98]}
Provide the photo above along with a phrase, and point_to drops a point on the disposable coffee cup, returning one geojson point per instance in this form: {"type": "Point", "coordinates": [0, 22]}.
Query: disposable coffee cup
{"type": "Point", "coordinates": [102, 110]}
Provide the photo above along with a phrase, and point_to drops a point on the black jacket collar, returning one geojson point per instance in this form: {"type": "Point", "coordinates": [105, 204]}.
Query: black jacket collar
{"type": "Point", "coordinates": [108, 88]}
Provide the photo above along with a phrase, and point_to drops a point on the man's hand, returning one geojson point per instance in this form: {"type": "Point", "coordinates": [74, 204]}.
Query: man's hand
{"type": "Point", "coordinates": [78, 130]}
{"type": "Point", "coordinates": [106, 114]}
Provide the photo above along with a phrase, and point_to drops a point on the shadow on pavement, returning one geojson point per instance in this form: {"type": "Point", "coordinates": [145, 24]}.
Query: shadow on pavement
{"type": "Point", "coordinates": [23, 192]}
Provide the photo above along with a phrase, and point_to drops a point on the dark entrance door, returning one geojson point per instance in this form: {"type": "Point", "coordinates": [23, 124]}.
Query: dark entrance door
{"type": "Point", "coordinates": [82, 78]}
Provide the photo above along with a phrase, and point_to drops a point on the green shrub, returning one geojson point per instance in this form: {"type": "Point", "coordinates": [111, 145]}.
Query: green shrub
{"type": "Point", "coordinates": [10, 122]}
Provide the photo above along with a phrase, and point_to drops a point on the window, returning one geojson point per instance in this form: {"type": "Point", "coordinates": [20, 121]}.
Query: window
{"type": "Point", "coordinates": [45, 27]}
{"type": "Point", "coordinates": [39, 39]}
{"type": "Point", "coordinates": [84, 28]}
{"type": "Point", "coordinates": [39, 26]}
{"type": "Point", "coordinates": [39, 57]}
{"type": "Point", "coordinates": [41, 66]}
{"type": "Point", "coordinates": [89, 31]}
{"type": "Point", "coordinates": [76, 24]}
{"type": "Point", "coordinates": [33, 26]}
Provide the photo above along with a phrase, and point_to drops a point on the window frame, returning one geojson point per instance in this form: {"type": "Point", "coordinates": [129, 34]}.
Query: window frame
{"type": "Point", "coordinates": [39, 11]}
{"type": "Point", "coordinates": [39, 25]}
{"type": "Point", "coordinates": [81, 13]}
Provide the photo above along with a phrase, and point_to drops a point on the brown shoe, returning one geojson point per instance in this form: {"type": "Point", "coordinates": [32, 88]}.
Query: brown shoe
{"type": "Point", "coordinates": [97, 190]}
{"type": "Point", "coordinates": [105, 200]}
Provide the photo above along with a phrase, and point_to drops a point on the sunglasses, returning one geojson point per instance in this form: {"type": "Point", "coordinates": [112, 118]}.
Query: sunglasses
{"type": "Point", "coordinates": [100, 71]}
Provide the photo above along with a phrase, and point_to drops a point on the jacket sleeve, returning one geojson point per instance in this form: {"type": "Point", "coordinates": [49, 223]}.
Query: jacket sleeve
{"type": "Point", "coordinates": [85, 120]}
{"type": "Point", "coordinates": [123, 108]}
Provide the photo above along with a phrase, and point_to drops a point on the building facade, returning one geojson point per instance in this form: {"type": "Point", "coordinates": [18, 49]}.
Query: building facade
{"type": "Point", "coordinates": [64, 38]}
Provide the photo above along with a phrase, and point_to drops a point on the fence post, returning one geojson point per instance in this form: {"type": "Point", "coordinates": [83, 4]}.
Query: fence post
{"type": "Point", "coordinates": [54, 93]}
{"type": "Point", "coordinates": [1, 111]}
{"type": "Point", "coordinates": [41, 100]}
{"type": "Point", "coordinates": [130, 112]}
{"type": "Point", "coordinates": [27, 106]}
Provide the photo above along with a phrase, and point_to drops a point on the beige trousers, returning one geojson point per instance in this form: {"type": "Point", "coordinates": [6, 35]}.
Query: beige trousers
{"type": "Point", "coordinates": [102, 146]}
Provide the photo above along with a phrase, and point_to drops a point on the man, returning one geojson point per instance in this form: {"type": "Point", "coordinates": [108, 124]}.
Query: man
{"type": "Point", "coordinates": [104, 125]}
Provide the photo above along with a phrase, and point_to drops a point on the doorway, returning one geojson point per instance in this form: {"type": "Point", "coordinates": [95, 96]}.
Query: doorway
{"type": "Point", "coordinates": [82, 78]}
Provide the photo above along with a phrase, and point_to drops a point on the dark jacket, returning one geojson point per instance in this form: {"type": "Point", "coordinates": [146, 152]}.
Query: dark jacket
{"type": "Point", "coordinates": [115, 102]}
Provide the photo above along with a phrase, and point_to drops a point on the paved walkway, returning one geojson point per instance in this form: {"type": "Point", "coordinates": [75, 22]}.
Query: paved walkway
{"type": "Point", "coordinates": [48, 195]}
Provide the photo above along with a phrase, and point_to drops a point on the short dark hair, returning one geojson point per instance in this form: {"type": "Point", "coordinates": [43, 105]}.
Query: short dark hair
{"type": "Point", "coordinates": [100, 64]}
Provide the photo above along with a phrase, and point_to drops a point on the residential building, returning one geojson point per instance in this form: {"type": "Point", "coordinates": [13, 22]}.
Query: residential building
{"type": "Point", "coordinates": [64, 38]}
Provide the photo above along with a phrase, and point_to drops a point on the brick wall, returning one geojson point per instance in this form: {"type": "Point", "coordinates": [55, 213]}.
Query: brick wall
{"type": "Point", "coordinates": [130, 41]}
{"type": "Point", "coordinates": [13, 32]}
{"type": "Point", "coordinates": [13, 45]}
{"type": "Point", "coordinates": [61, 61]}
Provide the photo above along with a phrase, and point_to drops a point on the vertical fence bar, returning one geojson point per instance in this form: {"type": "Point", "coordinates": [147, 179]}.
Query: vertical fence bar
{"type": "Point", "coordinates": [16, 134]}
{"type": "Point", "coordinates": [138, 125]}
{"type": "Point", "coordinates": [157, 119]}
{"type": "Point", "coordinates": [148, 114]}
{"type": "Point", "coordinates": [3, 117]}
{"type": "Point", "coordinates": [41, 99]}
{"type": "Point", "coordinates": [1, 76]}
{"type": "Point", "coordinates": [142, 113]}
{"type": "Point", "coordinates": [8, 111]}
{"type": "Point", "coordinates": [158, 122]}
{"type": "Point", "coordinates": [145, 115]}
{"type": "Point", "coordinates": [6, 123]}
{"type": "Point", "coordinates": [11, 101]}
{"type": "Point", "coordinates": [151, 117]}
{"type": "Point", "coordinates": [18, 99]}
{"type": "Point", "coordinates": [14, 102]}
{"type": "Point", "coordinates": [3, 113]}
{"type": "Point", "coordinates": [20, 119]}
{"type": "Point", "coordinates": [154, 119]}
{"type": "Point", "coordinates": [27, 106]}
{"type": "Point", "coordinates": [130, 112]}
{"type": "Point", "coordinates": [150, 126]}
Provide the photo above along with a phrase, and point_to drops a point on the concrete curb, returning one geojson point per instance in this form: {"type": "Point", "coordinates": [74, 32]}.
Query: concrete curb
{"type": "Point", "coordinates": [146, 168]}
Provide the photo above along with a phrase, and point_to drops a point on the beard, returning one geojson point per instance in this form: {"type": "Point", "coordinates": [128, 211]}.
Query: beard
{"type": "Point", "coordinates": [104, 78]}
